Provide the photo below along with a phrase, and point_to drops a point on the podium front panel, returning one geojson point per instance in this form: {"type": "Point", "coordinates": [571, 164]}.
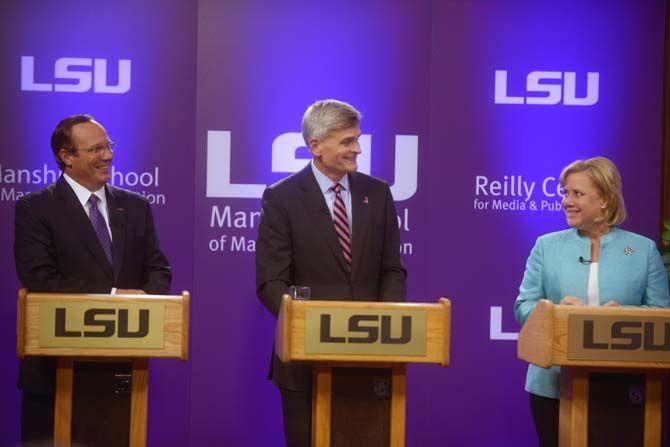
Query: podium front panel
{"type": "Point", "coordinates": [347, 331]}
{"type": "Point", "coordinates": [88, 325]}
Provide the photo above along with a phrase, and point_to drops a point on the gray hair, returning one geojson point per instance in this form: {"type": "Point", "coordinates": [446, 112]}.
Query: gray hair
{"type": "Point", "coordinates": [327, 115]}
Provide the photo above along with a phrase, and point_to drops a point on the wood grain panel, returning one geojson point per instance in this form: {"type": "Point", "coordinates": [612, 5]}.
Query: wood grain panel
{"type": "Point", "coordinates": [398, 405]}
{"type": "Point", "coordinates": [292, 328]}
{"type": "Point", "coordinates": [653, 411]}
{"type": "Point", "coordinates": [544, 338]}
{"type": "Point", "coordinates": [574, 408]}
{"type": "Point", "coordinates": [139, 403]}
{"type": "Point", "coordinates": [175, 327]}
{"type": "Point", "coordinates": [321, 406]}
{"type": "Point", "coordinates": [63, 405]}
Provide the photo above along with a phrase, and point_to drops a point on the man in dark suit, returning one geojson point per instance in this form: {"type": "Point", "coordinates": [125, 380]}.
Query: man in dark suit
{"type": "Point", "coordinates": [80, 235]}
{"type": "Point", "coordinates": [332, 229]}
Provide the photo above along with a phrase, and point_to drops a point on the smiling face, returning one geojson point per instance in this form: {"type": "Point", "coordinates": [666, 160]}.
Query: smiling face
{"type": "Point", "coordinates": [583, 203]}
{"type": "Point", "coordinates": [336, 154]}
{"type": "Point", "coordinates": [87, 168]}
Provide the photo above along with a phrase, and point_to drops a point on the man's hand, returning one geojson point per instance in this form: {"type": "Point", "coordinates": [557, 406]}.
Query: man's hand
{"type": "Point", "coordinates": [571, 301]}
{"type": "Point", "coordinates": [130, 292]}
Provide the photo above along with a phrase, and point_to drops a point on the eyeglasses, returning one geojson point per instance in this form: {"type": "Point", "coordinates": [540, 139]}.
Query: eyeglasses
{"type": "Point", "coordinates": [100, 148]}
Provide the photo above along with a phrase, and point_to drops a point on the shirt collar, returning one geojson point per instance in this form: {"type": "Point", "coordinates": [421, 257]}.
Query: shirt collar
{"type": "Point", "coordinates": [325, 183]}
{"type": "Point", "coordinates": [84, 194]}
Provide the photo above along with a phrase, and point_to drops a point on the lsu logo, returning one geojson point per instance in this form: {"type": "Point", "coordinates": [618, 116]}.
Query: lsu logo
{"type": "Point", "coordinates": [628, 336]}
{"type": "Point", "coordinates": [554, 87]}
{"type": "Point", "coordinates": [83, 74]}
{"type": "Point", "coordinates": [367, 329]}
{"type": "Point", "coordinates": [284, 159]}
{"type": "Point", "coordinates": [106, 320]}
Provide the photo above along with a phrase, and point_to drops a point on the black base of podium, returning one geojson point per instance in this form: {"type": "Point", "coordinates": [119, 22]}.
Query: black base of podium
{"type": "Point", "coordinates": [101, 404]}
{"type": "Point", "coordinates": [361, 407]}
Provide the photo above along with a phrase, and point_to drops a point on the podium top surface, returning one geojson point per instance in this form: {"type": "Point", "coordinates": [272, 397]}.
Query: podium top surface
{"type": "Point", "coordinates": [604, 336]}
{"type": "Point", "coordinates": [44, 297]}
{"type": "Point", "coordinates": [363, 332]}
{"type": "Point", "coordinates": [100, 325]}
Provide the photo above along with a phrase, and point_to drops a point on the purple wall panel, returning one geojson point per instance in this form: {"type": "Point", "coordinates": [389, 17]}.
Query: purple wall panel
{"type": "Point", "coordinates": [483, 251]}
{"type": "Point", "coordinates": [424, 71]}
{"type": "Point", "coordinates": [153, 124]}
{"type": "Point", "coordinates": [255, 82]}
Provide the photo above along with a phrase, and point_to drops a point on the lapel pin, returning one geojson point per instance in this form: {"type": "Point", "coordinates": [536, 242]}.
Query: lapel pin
{"type": "Point", "coordinates": [628, 250]}
{"type": "Point", "coordinates": [365, 200]}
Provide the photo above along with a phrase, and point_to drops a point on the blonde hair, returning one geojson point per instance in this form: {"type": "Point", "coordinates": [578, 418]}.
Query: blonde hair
{"type": "Point", "coordinates": [605, 176]}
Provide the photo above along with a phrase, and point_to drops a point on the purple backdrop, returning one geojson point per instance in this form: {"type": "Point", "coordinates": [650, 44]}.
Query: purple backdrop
{"type": "Point", "coordinates": [470, 111]}
{"type": "Point", "coordinates": [153, 123]}
{"type": "Point", "coordinates": [477, 141]}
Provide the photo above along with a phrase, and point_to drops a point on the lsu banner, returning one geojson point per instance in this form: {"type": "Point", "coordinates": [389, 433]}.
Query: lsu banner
{"type": "Point", "coordinates": [470, 111]}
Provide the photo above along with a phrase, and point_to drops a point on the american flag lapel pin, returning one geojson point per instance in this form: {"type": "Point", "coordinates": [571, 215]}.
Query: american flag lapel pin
{"type": "Point", "coordinates": [365, 200]}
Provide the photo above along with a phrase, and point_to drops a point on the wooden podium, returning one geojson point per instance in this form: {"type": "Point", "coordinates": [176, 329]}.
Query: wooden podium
{"type": "Point", "coordinates": [585, 340]}
{"type": "Point", "coordinates": [107, 330]}
{"type": "Point", "coordinates": [359, 350]}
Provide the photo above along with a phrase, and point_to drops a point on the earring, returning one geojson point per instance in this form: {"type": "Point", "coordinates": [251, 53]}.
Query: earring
{"type": "Point", "coordinates": [603, 206]}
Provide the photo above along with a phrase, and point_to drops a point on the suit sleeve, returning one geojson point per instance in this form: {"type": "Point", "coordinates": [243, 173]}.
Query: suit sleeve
{"type": "Point", "coordinates": [393, 280]}
{"type": "Point", "coordinates": [656, 292]}
{"type": "Point", "coordinates": [274, 253]}
{"type": "Point", "coordinates": [157, 275]}
{"type": "Point", "coordinates": [531, 289]}
{"type": "Point", "coordinates": [36, 258]}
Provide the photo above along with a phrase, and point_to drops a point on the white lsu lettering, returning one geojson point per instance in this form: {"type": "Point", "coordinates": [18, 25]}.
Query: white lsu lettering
{"type": "Point", "coordinates": [554, 91]}
{"type": "Point", "coordinates": [64, 69]}
{"type": "Point", "coordinates": [495, 326]}
{"type": "Point", "coordinates": [284, 159]}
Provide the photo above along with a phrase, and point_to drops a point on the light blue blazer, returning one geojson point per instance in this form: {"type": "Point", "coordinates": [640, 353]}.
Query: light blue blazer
{"type": "Point", "coordinates": [630, 271]}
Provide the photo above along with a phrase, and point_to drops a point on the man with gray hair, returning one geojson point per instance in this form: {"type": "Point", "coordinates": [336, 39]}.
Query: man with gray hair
{"type": "Point", "coordinates": [332, 229]}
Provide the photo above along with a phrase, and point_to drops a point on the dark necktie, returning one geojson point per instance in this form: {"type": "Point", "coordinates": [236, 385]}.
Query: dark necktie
{"type": "Point", "coordinates": [341, 223]}
{"type": "Point", "coordinates": [99, 226]}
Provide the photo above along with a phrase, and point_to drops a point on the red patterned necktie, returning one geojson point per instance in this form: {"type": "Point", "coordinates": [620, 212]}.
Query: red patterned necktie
{"type": "Point", "coordinates": [341, 223]}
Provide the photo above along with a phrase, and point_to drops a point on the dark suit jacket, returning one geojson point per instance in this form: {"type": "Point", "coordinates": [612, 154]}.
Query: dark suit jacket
{"type": "Point", "coordinates": [57, 250]}
{"type": "Point", "coordinates": [297, 245]}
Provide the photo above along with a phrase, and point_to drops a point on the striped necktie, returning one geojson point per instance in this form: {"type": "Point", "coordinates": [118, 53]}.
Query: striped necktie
{"type": "Point", "coordinates": [100, 226]}
{"type": "Point", "coordinates": [341, 223]}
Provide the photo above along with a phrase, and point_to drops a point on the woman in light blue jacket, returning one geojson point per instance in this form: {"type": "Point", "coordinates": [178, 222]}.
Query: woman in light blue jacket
{"type": "Point", "coordinates": [594, 263]}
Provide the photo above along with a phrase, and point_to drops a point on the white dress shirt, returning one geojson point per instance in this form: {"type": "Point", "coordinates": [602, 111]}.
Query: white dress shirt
{"type": "Point", "coordinates": [84, 194]}
{"type": "Point", "coordinates": [326, 184]}
{"type": "Point", "coordinates": [592, 290]}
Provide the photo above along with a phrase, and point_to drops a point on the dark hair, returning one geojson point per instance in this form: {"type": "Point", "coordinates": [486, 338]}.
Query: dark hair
{"type": "Point", "coordinates": [61, 138]}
